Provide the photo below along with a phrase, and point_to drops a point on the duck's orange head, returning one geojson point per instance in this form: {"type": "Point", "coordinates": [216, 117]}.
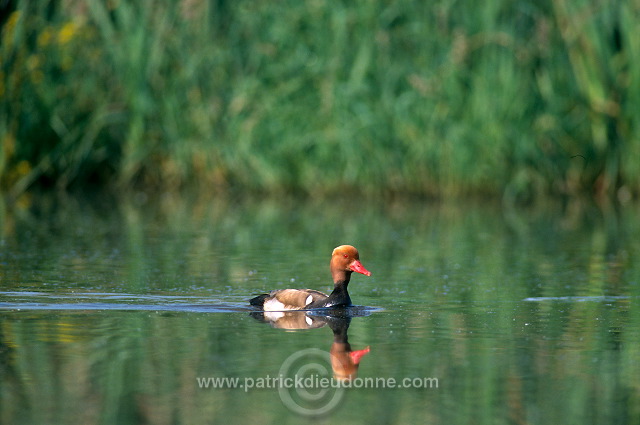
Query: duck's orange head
{"type": "Point", "coordinates": [346, 258]}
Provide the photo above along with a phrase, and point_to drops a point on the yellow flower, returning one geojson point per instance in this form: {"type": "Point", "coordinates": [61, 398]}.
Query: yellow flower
{"type": "Point", "coordinates": [45, 37]}
{"type": "Point", "coordinates": [34, 65]}
{"type": "Point", "coordinates": [23, 168]}
{"type": "Point", "coordinates": [9, 144]}
{"type": "Point", "coordinates": [34, 62]}
{"type": "Point", "coordinates": [12, 21]}
{"type": "Point", "coordinates": [9, 26]}
{"type": "Point", "coordinates": [66, 33]}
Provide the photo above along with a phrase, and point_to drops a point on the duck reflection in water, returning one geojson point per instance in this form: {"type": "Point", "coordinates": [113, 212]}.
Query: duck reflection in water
{"type": "Point", "coordinates": [344, 360]}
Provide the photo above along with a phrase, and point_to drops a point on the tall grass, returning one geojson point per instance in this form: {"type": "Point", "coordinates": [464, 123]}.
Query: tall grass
{"type": "Point", "coordinates": [433, 98]}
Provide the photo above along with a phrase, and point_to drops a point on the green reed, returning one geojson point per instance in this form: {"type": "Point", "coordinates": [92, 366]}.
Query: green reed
{"type": "Point", "coordinates": [513, 99]}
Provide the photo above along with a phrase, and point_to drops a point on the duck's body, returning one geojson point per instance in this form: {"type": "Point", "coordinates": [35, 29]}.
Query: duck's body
{"type": "Point", "coordinates": [344, 261]}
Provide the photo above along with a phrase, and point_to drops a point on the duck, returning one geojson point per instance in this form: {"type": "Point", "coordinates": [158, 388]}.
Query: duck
{"type": "Point", "coordinates": [345, 260]}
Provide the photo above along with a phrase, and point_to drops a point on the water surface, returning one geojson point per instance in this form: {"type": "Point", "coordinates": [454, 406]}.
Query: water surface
{"type": "Point", "coordinates": [118, 311]}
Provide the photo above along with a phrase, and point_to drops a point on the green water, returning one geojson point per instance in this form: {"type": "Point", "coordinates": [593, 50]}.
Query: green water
{"type": "Point", "coordinates": [114, 311]}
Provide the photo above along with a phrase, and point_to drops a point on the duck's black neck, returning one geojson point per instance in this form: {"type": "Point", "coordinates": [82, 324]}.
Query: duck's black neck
{"type": "Point", "coordinates": [340, 296]}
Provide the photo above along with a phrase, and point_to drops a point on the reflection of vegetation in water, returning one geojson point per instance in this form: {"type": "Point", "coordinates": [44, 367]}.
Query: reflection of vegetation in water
{"type": "Point", "coordinates": [224, 244]}
{"type": "Point", "coordinates": [451, 281]}
{"type": "Point", "coordinates": [422, 97]}
{"type": "Point", "coordinates": [128, 365]}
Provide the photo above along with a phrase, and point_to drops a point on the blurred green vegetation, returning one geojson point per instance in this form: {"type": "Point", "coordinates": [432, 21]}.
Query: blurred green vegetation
{"type": "Point", "coordinates": [516, 99]}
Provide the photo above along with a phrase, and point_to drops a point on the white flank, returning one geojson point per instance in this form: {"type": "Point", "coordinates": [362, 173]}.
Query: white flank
{"type": "Point", "coordinates": [273, 305]}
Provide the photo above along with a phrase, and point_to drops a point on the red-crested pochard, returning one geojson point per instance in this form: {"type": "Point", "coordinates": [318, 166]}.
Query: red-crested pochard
{"type": "Point", "coordinates": [344, 261]}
